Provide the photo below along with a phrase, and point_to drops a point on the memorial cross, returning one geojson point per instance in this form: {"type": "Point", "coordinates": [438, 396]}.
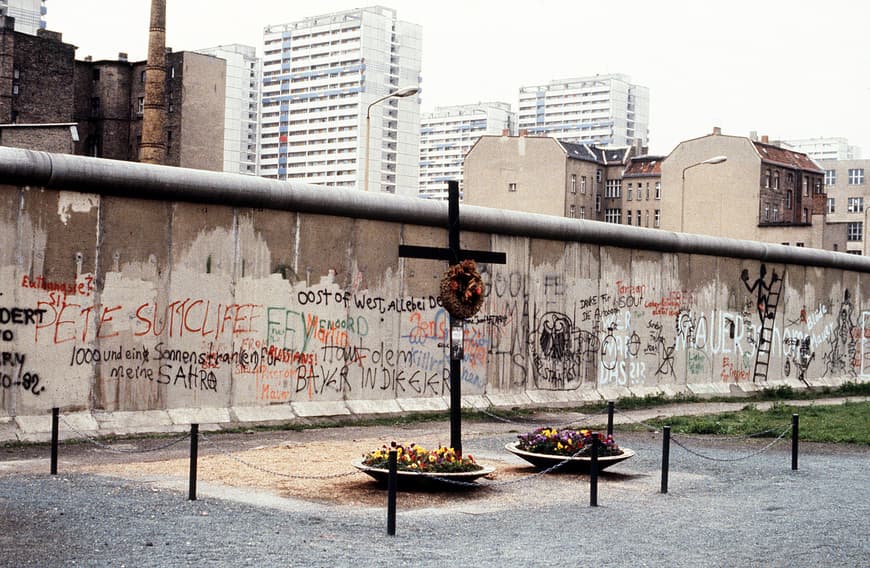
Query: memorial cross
{"type": "Point", "coordinates": [454, 253]}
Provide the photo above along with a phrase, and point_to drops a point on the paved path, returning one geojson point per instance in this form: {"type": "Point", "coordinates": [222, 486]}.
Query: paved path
{"type": "Point", "coordinates": [720, 511]}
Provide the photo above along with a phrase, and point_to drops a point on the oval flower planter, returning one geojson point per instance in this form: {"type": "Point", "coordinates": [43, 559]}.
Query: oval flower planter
{"type": "Point", "coordinates": [574, 464]}
{"type": "Point", "coordinates": [424, 480]}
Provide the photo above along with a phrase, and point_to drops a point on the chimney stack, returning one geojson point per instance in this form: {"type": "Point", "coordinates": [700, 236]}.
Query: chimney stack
{"type": "Point", "coordinates": [505, 132]}
{"type": "Point", "coordinates": [153, 148]}
{"type": "Point", "coordinates": [717, 131]}
{"type": "Point", "coordinates": [764, 139]}
{"type": "Point", "coordinates": [122, 56]}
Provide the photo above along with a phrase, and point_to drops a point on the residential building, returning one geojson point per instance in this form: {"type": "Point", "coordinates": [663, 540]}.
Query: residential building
{"type": "Point", "coordinates": [538, 174]}
{"type": "Point", "coordinates": [36, 89]}
{"type": "Point", "coordinates": [110, 102]}
{"type": "Point", "coordinates": [322, 76]}
{"type": "Point", "coordinates": [848, 200]}
{"type": "Point", "coordinates": [29, 14]}
{"type": "Point", "coordinates": [824, 148]}
{"type": "Point", "coordinates": [605, 110]}
{"type": "Point", "coordinates": [51, 102]}
{"type": "Point", "coordinates": [242, 104]}
{"type": "Point", "coordinates": [642, 195]}
{"type": "Point", "coordinates": [759, 192]}
{"type": "Point", "coordinates": [446, 136]}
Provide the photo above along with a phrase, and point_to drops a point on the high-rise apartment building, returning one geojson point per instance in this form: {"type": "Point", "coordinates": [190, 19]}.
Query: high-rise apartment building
{"type": "Point", "coordinates": [825, 148]}
{"type": "Point", "coordinates": [243, 99]}
{"type": "Point", "coordinates": [321, 77]}
{"type": "Point", "coordinates": [606, 110]}
{"type": "Point", "coordinates": [446, 136]}
{"type": "Point", "coordinates": [847, 189]}
{"type": "Point", "coordinates": [29, 14]}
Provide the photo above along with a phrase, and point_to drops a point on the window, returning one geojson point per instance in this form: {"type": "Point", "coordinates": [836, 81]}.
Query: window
{"type": "Point", "coordinates": [141, 106]}
{"type": "Point", "coordinates": [766, 212]}
{"type": "Point", "coordinates": [830, 177]}
{"type": "Point", "coordinates": [766, 178]}
{"type": "Point", "coordinates": [817, 186]}
{"type": "Point", "coordinates": [646, 224]}
{"type": "Point", "coordinates": [628, 193]}
{"type": "Point", "coordinates": [142, 77]}
{"type": "Point", "coordinates": [598, 203]}
{"type": "Point", "coordinates": [855, 205]}
{"type": "Point", "coordinates": [582, 184]}
{"type": "Point", "coordinates": [613, 188]}
{"type": "Point", "coordinates": [658, 190]}
{"type": "Point", "coordinates": [789, 180]}
{"type": "Point", "coordinates": [789, 197]}
{"type": "Point", "coordinates": [775, 214]}
{"type": "Point", "coordinates": [573, 183]}
{"type": "Point", "coordinates": [658, 218]}
{"type": "Point", "coordinates": [95, 74]}
{"type": "Point", "coordinates": [572, 212]}
{"type": "Point", "coordinates": [512, 187]}
{"type": "Point", "coordinates": [858, 252]}
{"type": "Point", "coordinates": [799, 244]}
{"type": "Point", "coordinates": [582, 212]}
{"type": "Point", "coordinates": [806, 186]}
{"type": "Point", "coordinates": [806, 217]}
{"type": "Point", "coordinates": [613, 215]}
{"type": "Point", "coordinates": [776, 179]}
{"type": "Point", "coordinates": [854, 231]}
{"type": "Point", "coordinates": [95, 106]}
{"type": "Point", "coordinates": [598, 176]}
{"type": "Point", "coordinates": [638, 217]}
{"type": "Point", "coordinates": [856, 176]}
{"type": "Point", "coordinates": [628, 217]}
{"type": "Point", "coordinates": [831, 205]}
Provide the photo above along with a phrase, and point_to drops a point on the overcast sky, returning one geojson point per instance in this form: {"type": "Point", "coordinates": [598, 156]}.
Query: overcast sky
{"type": "Point", "coordinates": [785, 68]}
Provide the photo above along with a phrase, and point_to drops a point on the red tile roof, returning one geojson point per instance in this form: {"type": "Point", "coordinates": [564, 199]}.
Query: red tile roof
{"type": "Point", "coordinates": [788, 158]}
{"type": "Point", "coordinates": [644, 166]}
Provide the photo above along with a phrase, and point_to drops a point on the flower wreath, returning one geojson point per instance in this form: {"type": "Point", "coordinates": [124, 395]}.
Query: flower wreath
{"type": "Point", "coordinates": [462, 290]}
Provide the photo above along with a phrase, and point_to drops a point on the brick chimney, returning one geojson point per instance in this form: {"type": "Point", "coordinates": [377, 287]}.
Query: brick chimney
{"type": "Point", "coordinates": [717, 131]}
{"type": "Point", "coordinates": [764, 139]}
{"type": "Point", "coordinates": [153, 148]}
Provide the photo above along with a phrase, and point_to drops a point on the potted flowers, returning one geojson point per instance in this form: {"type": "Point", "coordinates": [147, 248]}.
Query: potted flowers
{"type": "Point", "coordinates": [416, 463]}
{"type": "Point", "coordinates": [567, 448]}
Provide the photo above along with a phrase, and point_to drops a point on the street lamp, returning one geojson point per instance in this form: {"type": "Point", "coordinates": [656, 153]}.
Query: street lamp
{"type": "Point", "coordinates": [400, 94]}
{"type": "Point", "coordinates": [713, 160]}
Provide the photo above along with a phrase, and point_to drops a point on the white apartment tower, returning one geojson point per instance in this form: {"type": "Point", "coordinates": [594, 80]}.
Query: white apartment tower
{"type": "Point", "coordinates": [446, 136]}
{"type": "Point", "coordinates": [29, 14]}
{"type": "Point", "coordinates": [825, 148]}
{"type": "Point", "coordinates": [320, 77]}
{"type": "Point", "coordinates": [242, 101]}
{"type": "Point", "coordinates": [606, 110]}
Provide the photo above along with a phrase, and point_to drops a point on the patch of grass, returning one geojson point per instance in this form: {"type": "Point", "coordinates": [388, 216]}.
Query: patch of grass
{"type": "Point", "coordinates": [846, 423]}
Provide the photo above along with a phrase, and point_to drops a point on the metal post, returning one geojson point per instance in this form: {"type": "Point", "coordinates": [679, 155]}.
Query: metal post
{"type": "Point", "coordinates": [456, 340]}
{"type": "Point", "coordinates": [794, 442]}
{"type": "Point", "coordinates": [610, 418]}
{"type": "Point", "coordinates": [194, 450]}
{"type": "Point", "coordinates": [55, 425]}
{"type": "Point", "coordinates": [593, 471]}
{"type": "Point", "coordinates": [391, 493]}
{"type": "Point", "coordinates": [666, 456]}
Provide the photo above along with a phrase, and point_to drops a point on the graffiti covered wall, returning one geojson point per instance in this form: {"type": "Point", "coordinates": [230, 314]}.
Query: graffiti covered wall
{"type": "Point", "coordinates": [112, 305]}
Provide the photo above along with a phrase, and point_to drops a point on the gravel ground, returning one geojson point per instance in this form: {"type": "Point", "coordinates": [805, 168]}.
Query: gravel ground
{"type": "Point", "coordinates": [748, 512]}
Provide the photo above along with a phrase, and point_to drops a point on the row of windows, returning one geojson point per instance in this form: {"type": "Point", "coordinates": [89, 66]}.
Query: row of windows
{"type": "Point", "coordinates": [855, 176]}
{"type": "Point", "coordinates": [657, 218]}
{"type": "Point", "coordinates": [853, 205]}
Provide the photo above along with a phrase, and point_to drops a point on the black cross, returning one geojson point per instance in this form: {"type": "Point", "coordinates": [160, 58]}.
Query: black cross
{"type": "Point", "coordinates": [453, 254]}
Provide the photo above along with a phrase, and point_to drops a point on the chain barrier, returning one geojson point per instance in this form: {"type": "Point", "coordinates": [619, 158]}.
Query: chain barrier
{"type": "Point", "coordinates": [532, 421]}
{"type": "Point", "coordinates": [272, 472]}
{"type": "Point", "coordinates": [655, 430]}
{"type": "Point", "coordinates": [750, 455]}
{"type": "Point", "coordinates": [649, 427]}
{"type": "Point", "coordinates": [109, 448]}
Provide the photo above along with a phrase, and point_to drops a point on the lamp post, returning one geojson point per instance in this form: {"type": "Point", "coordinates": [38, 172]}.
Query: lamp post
{"type": "Point", "coordinates": [400, 94]}
{"type": "Point", "coordinates": [713, 160]}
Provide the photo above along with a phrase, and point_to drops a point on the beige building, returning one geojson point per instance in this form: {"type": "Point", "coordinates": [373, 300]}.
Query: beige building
{"type": "Point", "coordinates": [547, 176]}
{"type": "Point", "coordinates": [847, 188]}
{"type": "Point", "coordinates": [757, 192]}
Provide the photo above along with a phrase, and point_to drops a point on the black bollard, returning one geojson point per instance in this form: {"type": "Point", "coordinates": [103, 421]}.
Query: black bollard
{"type": "Point", "coordinates": [194, 450]}
{"type": "Point", "coordinates": [610, 418]}
{"type": "Point", "coordinates": [593, 471]}
{"type": "Point", "coordinates": [666, 456]}
{"type": "Point", "coordinates": [391, 493]}
{"type": "Point", "coordinates": [794, 442]}
{"type": "Point", "coordinates": [55, 425]}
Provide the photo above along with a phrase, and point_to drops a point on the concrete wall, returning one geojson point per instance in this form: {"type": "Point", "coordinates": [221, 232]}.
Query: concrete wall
{"type": "Point", "coordinates": [143, 298]}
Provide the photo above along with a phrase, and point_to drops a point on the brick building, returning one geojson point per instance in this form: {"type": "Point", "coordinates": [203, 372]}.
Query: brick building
{"type": "Point", "coordinates": [44, 90]}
